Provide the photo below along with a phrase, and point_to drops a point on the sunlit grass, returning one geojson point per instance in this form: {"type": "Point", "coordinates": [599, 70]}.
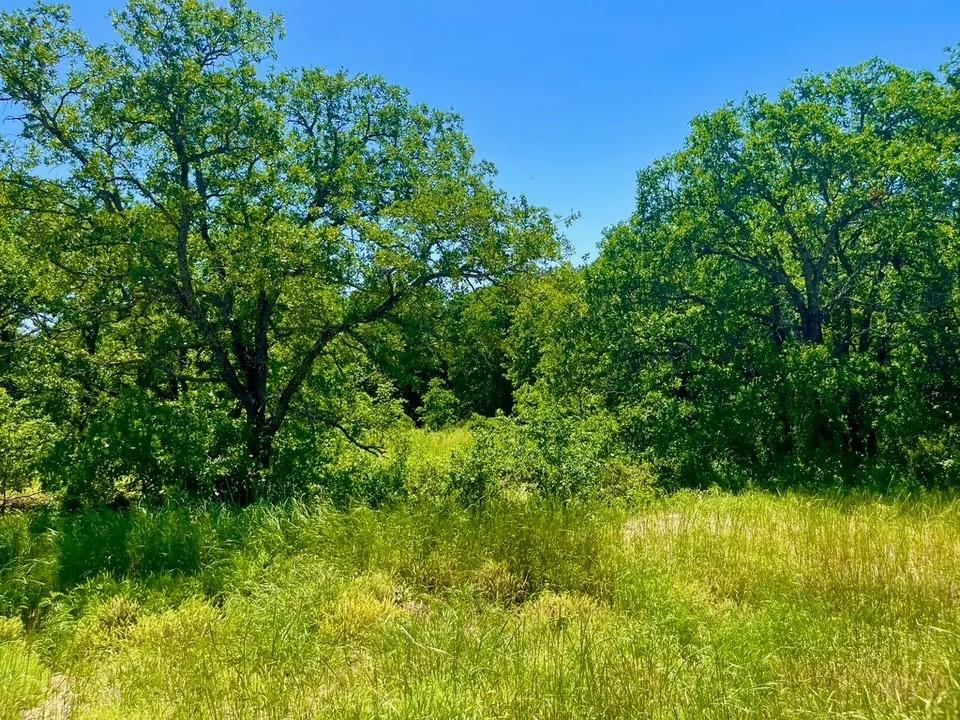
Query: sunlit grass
{"type": "Point", "coordinates": [694, 606]}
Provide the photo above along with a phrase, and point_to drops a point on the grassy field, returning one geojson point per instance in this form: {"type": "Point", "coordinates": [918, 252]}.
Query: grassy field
{"type": "Point", "coordinates": [694, 606]}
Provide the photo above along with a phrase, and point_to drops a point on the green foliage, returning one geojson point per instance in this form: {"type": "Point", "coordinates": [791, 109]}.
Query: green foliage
{"type": "Point", "coordinates": [136, 445]}
{"type": "Point", "coordinates": [577, 445]}
{"type": "Point", "coordinates": [500, 460]}
{"type": "Point", "coordinates": [362, 478]}
{"type": "Point", "coordinates": [474, 349]}
{"type": "Point", "coordinates": [440, 406]}
{"type": "Point", "coordinates": [783, 301]}
{"type": "Point", "coordinates": [549, 452]}
{"type": "Point", "coordinates": [256, 244]}
{"type": "Point", "coordinates": [549, 339]}
{"type": "Point", "coordinates": [222, 280]}
{"type": "Point", "coordinates": [25, 442]}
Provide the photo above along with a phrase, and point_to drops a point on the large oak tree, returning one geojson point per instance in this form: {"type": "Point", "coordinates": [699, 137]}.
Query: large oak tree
{"type": "Point", "coordinates": [788, 283]}
{"type": "Point", "coordinates": [276, 225]}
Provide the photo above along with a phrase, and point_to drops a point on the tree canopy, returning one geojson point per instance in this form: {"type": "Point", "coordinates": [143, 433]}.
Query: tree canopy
{"type": "Point", "coordinates": [788, 282]}
{"type": "Point", "coordinates": [218, 274]}
{"type": "Point", "coordinates": [250, 241]}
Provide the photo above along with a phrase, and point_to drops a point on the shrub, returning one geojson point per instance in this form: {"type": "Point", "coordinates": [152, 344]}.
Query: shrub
{"type": "Point", "coordinates": [440, 407]}
{"type": "Point", "coordinates": [550, 451]}
{"type": "Point", "coordinates": [502, 457]}
{"type": "Point", "coordinates": [25, 440]}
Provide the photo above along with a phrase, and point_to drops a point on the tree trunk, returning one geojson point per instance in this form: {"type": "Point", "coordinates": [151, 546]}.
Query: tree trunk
{"type": "Point", "coordinates": [260, 435]}
{"type": "Point", "coordinates": [813, 324]}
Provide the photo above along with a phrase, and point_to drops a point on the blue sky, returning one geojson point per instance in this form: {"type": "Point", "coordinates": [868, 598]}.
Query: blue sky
{"type": "Point", "coordinates": [570, 99]}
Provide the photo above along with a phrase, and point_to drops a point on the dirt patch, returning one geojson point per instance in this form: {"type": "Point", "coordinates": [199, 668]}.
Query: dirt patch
{"type": "Point", "coordinates": [59, 702]}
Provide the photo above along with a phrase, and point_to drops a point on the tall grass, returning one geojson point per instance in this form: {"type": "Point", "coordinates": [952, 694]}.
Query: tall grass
{"type": "Point", "coordinates": [695, 606]}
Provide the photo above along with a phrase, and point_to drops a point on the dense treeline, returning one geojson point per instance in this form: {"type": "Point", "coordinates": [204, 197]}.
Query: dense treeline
{"type": "Point", "coordinates": [786, 292]}
{"type": "Point", "coordinates": [223, 281]}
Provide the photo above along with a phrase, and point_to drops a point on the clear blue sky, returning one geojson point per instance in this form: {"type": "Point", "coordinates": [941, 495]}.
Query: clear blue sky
{"type": "Point", "coordinates": [570, 99]}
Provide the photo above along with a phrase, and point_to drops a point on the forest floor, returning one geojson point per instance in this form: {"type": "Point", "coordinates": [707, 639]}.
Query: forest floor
{"type": "Point", "coordinates": [690, 606]}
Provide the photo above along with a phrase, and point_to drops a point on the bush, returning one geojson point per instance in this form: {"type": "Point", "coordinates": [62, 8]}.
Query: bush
{"type": "Point", "coordinates": [440, 407]}
{"type": "Point", "coordinates": [549, 451]}
{"type": "Point", "coordinates": [139, 446]}
{"type": "Point", "coordinates": [25, 441]}
{"type": "Point", "coordinates": [502, 457]}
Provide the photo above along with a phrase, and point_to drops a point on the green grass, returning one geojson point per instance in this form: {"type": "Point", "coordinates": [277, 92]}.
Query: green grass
{"type": "Point", "coordinates": [694, 606]}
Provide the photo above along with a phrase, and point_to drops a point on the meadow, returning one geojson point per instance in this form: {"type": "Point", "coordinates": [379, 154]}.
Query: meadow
{"type": "Point", "coordinates": [696, 605]}
{"type": "Point", "coordinates": [304, 414]}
